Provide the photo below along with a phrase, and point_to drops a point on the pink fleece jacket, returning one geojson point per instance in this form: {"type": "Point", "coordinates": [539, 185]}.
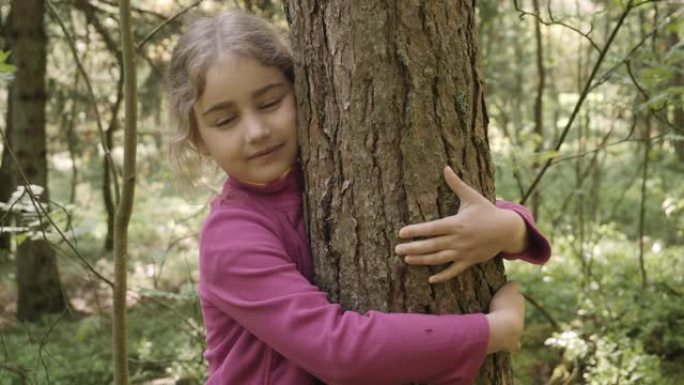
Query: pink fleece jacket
{"type": "Point", "coordinates": [267, 323]}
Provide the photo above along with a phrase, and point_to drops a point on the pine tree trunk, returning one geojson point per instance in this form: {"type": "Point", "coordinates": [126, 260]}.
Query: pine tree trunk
{"type": "Point", "coordinates": [39, 287]}
{"type": "Point", "coordinates": [388, 94]}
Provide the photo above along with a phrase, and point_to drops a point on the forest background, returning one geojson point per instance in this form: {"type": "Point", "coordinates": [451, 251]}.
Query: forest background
{"type": "Point", "coordinates": [607, 308]}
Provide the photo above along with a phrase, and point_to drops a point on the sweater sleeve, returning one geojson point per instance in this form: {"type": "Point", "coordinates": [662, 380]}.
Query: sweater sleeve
{"type": "Point", "coordinates": [539, 249]}
{"type": "Point", "coordinates": [246, 273]}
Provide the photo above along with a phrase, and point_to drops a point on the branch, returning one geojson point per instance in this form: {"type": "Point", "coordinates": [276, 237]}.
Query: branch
{"type": "Point", "coordinates": [644, 179]}
{"type": "Point", "coordinates": [89, 11]}
{"type": "Point", "coordinates": [135, 9]}
{"type": "Point", "coordinates": [167, 21]}
{"type": "Point", "coordinates": [553, 21]}
{"type": "Point", "coordinates": [666, 20]}
{"type": "Point", "coordinates": [18, 370]}
{"type": "Point", "coordinates": [605, 146]}
{"type": "Point", "coordinates": [42, 210]}
{"type": "Point", "coordinates": [579, 103]}
{"type": "Point", "coordinates": [544, 312]}
{"type": "Point", "coordinates": [91, 93]}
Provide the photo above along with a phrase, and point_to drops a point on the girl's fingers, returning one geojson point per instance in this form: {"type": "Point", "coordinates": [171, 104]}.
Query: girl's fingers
{"type": "Point", "coordinates": [438, 258]}
{"type": "Point", "coordinates": [425, 246]}
{"type": "Point", "coordinates": [427, 229]}
{"type": "Point", "coordinates": [450, 272]}
{"type": "Point", "coordinates": [459, 187]}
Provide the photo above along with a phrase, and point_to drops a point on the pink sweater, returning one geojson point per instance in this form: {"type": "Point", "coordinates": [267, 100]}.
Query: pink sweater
{"type": "Point", "coordinates": [267, 323]}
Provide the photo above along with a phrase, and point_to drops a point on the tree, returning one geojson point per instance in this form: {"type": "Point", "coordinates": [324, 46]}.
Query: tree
{"type": "Point", "coordinates": [125, 206]}
{"type": "Point", "coordinates": [388, 94]}
{"type": "Point", "coordinates": [39, 288]}
{"type": "Point", "coordinates": [7, 183]}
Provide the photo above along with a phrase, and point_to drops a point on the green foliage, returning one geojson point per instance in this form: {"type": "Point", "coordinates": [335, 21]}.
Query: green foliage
{"type": "Point", "coordinates": [59, 350]}
{"type": "Point", "coordinates": [6, 68]}
{"type": "Point", "coordinates": [612, 330]}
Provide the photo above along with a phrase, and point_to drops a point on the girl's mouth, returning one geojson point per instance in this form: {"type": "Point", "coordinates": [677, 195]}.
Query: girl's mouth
{"type": "Point", "coordinates": [266, 151]}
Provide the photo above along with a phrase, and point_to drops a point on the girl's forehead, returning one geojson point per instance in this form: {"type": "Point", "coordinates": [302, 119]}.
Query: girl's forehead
{"type": "Point", "coordinates": [237, 78]}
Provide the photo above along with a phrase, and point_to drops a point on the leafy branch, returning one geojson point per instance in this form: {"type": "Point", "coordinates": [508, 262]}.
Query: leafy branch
{"type": "Point", "coordinates": [580, 101]}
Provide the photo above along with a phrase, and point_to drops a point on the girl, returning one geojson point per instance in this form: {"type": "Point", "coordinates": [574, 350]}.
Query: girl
{"type": "Point", "coordinates": [266, 323]}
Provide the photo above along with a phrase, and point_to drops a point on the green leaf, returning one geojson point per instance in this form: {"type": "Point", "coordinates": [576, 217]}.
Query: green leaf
{"type": "Point", "coordinates": [7, 68]}
{"type": "Point", "coordinates": [20, 238]}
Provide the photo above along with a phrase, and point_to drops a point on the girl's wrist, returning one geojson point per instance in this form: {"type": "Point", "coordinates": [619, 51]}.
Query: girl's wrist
{"type": "Point", "coordinates": [515, 236]}
{"type": "Point", "coordinates": [494, 342]}
{"type": "Point", "coordinates": [499, 331]}
{"type": "Point", "coordinates": [505, 330]}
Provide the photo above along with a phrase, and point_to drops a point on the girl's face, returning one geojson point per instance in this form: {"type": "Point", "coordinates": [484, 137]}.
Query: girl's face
{"type": "Point", "coordinates": [247, 119]}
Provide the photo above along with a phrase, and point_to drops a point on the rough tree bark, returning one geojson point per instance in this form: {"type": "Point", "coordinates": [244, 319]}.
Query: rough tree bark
{"type": "Point", "coordinates": [388, 94]}
{"type": "Point", "coordinates": [39, 289]}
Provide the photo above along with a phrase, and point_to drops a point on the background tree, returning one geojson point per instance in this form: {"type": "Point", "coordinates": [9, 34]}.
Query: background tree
{"type": "Point", "coordinates": [39, 286]}
{"type": "Point", "coordinates": [7, 184]}
{"type": "Point", "coordinates": [388, 94]}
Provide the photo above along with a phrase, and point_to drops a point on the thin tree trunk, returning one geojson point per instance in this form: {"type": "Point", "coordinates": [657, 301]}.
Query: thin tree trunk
{"type": "Point", "coordinates": [110, 206]}
{"type": "Point", "coordinates": [125, 207]}
{"type": "Point", "coordinates": [110, 201]}
{"type": "Point", "coordinates": [38, 284]}
{"type": "Point", "coordinates": [538, 104]}
{"type": "Point", "coordinates": [388, 94]}
{"type": "Point", "coordinates": [72, 143]}
{"type": "Point", "coordinates": [642, 202]}
{"type": "Point", "coordinates": [677, 81]}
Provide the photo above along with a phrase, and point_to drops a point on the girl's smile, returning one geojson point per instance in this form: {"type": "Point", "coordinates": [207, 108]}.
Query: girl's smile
{"type": "Point", "coordinates": [267, 152]}
{"type": "Point", "coordinates": [246, 119]}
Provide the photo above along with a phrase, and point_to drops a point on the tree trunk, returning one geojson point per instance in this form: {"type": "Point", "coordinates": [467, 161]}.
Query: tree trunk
{"type": "Point", "coordinates": [677, 81]}
{"type": "Point", "coordinates": [7, 182]}
{"type": "Point", "coordinates": [39, 287]}
{"type": "Point", "coordinates": [388, 94]}
{"type": "Point", "coordinates": [125, 205]}
{"type": "Point", "coordinates": [538, 105]}
{"type": "Point", "coordinates": [110, 206]}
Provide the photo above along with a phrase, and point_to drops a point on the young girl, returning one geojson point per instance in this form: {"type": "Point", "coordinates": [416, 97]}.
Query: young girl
{"type": "Point", "coordinates": [266, 322]}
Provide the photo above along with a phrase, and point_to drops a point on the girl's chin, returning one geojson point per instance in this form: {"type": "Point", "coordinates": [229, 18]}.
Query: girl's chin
{"type": "Point", "coordinates": [272, 174]}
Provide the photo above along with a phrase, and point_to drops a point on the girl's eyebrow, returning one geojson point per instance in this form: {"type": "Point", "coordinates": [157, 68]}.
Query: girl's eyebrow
{"type": "Point", "coordinates": [218, 106]}
{"type": "Point", "coordinates": [267, 88]}
{"type": "Point", "coordinates": [256, 94]}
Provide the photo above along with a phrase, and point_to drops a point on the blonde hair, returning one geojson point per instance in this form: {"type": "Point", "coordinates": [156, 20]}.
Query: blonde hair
{"type": "Point", "coordinates": [206, 39]}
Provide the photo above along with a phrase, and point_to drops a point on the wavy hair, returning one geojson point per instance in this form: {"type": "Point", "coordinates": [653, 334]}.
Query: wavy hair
{"type": "Point", "coordinates": [207, 38]}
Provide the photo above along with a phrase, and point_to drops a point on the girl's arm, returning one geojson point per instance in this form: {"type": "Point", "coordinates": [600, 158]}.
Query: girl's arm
{"type": "Point", "coordinates": [478, 232]}
{"type": "Point", "coordinates": [246, 272]}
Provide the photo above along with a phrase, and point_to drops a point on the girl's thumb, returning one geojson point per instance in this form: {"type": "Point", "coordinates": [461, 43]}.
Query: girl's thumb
{"type": "Point", "coordinates": [456, 184]}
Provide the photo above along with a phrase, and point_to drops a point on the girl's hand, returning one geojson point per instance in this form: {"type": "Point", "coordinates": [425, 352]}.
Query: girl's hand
{"type": "Point", "coordinates": [477, 233]}
{"type": "Point", "coordinates": [506, 319]}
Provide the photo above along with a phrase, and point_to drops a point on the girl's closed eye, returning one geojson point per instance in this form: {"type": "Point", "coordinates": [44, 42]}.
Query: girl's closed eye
{"type": "Point", "coordinates": [271, 104]}
{"type": "Point", "coordinates": [224, 121]}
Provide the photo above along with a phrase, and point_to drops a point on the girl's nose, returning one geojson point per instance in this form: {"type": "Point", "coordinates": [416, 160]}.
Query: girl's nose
{"type": "Point", "coordinates": [256, 129]}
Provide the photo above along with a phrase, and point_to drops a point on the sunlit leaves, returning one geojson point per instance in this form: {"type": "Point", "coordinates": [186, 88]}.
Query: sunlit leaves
{"type": "Point", "coordinates": [6, 69]}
